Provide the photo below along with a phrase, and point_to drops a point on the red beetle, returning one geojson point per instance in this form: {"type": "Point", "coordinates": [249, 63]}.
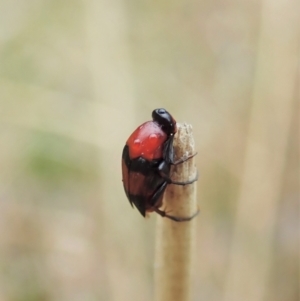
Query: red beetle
{"type": "Point", "coordinates": [146, 162]}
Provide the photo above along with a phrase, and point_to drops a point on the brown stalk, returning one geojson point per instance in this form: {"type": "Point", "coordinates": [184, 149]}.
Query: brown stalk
{"type": "Point", "coordinates": [175, 240]}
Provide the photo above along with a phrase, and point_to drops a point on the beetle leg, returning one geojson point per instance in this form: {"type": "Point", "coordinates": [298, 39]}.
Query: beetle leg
{"type": "Point", "coordinates": [168, 150]}
{"type": "Point", "coordinates": [164, 171]}
{"type": "Point", "coordinates": [185, 182]}
{"type": "Point", "coordinates": [158, 194]}
{"type": "Point", "coordinates": [175, 218]}
{"type": "Point", "coordinates": [183, 159]}
{"type": "Point", "coordinates": [168, 153]}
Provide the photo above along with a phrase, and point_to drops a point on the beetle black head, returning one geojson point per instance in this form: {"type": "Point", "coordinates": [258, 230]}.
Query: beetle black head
{"type": "Point", "coordinates": [165, 120]}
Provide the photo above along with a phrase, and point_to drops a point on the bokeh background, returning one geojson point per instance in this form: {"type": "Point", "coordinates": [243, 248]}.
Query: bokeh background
{"type": "Point", "coordinates": [77, 77]}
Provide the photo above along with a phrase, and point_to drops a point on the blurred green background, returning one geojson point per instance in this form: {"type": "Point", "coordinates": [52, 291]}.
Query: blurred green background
{"type": "Point", "coordinates": [77, 77]}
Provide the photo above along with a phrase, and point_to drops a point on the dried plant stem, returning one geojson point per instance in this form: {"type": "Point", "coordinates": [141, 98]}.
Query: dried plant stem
{"type": "Point", "coordinates": [175, 240]}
